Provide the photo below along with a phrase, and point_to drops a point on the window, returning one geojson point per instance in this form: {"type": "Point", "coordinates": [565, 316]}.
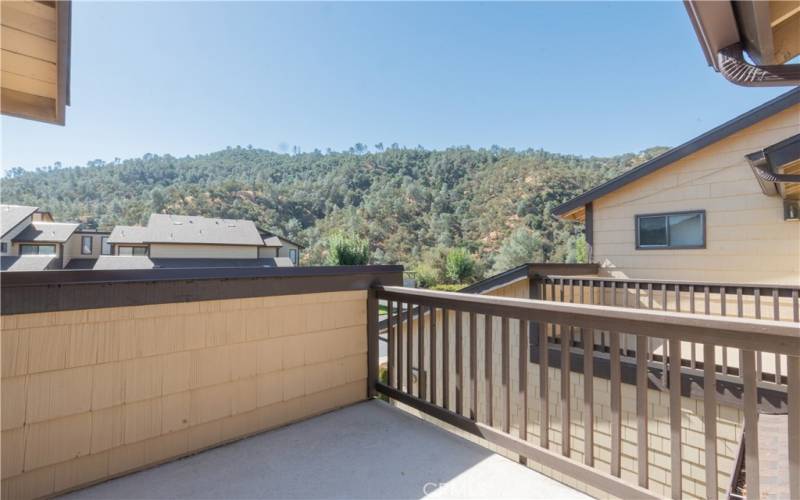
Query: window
{"type": "Point", "coordinates": [105, 246]}
{"type": "Point", "coordinates": [293, 255]}
{"type": "Point", "coordinates": [676, 230]}
{"type": "Point", "coordinates": [37, 249]}
{"type": "Point", "coordinates": [124, 250]}
{"type": "Point", "coordinates": [86, 245]}
{"type": "Point", "coordinates": [3, 247]}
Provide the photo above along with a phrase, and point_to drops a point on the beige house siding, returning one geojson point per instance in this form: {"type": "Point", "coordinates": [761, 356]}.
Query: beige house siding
{"type": "Point", "coordinates": [182, 251]}
{"type": "Point", "coordinates": [747, 238]}
{"type": "Point", "coordinates": [267, 252]}
{"type": "Point", "coordinates": [72, 247]}
{"type": "Point", "coordinates": [91, 394]}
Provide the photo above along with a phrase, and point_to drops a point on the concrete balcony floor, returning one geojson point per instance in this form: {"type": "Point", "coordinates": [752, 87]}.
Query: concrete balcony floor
{"type": "Point", "coordinates": [369, 450]}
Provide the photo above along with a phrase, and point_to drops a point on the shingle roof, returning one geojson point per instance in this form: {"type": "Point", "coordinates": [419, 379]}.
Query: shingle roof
{"type": "Point", "coordinates": [11, 215]}
{"type": "Point", "coordinates": [755, 115]}
{"type": "Point", "coordinates": [272, 241]}
{"type": "Point", "coordinates": [28, 263]}
{"type": "Point", "coordinates": [51, 232]}
{"type": "Point", "coordinates": [127, 234]}
{"type": "Point", "coordinates": [164, 228]}
{"type": "Point", "coordinates": [117, 262]}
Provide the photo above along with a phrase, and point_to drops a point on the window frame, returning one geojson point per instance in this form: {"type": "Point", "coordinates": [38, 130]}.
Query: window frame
{"type": "Point", "coordinates": [296, 259]}
{"type": "Point", "coordinates": [133, 249]}
{"type": "Point", "coordinates": [103, 242]}
{"type": "Point", "coordinates": [666, 216]}
{"type": "Point", "coordinates": [85, 237]}
{"type": "Point", "coordinates": [3, 247]}
{"type": "Point", "coordinates": [38, 247]}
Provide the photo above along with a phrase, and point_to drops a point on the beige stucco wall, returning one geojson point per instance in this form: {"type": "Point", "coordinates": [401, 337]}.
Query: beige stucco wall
{"type": "Point", "coordinates": [72, 247]}
{"type": "Point", "coordinates": [90, 394]}
{"type": "Point", "coordinates": [178, 251]}
{"type": "Point", "coordinates": [747, 238]}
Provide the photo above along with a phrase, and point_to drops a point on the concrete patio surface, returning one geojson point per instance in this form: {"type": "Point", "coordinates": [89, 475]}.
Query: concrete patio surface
{"type": "Point", "coordinates": [369, 450]}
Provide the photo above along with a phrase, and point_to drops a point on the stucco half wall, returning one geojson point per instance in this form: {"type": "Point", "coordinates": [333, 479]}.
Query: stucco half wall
{"type": "Point", "coordinates": [747, 240]}
{"type": "Point", "coordinates": [93, 387]}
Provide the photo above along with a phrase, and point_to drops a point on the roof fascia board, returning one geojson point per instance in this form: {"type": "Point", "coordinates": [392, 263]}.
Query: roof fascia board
{"type": "Point", "coordinates": [704, 140]}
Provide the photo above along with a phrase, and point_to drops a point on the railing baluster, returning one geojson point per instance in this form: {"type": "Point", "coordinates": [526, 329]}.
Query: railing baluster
{"type": "Point", "coordinates": [638, 295]}
{"type": "Point", "coordinates": [391, 339]}
{"type": "Point", "coordinates": [602, 293]}
{"type": "Point", "coordinates": [566, 341]}
{"type": "Point", "coordinates": [751, 423]}
{"type": "Point", "coordinates": [649, 295]}
{"type": "Point", "coordinates": [793, 389]}
{"type": "Point", "coordinates": [459, 363]}
{"type": "Point", "coordinates": [588, 397]}
{"type": "Point", "coordinates": [710, 418]}
{"type": "Point", "coordinates": [473, 366]}
{"type": "Point", "coordinates": [544, 385]}
{"type": "Point", "coordinates": [522, 395]}
{"type": "Point", "coordinates": [410, 348]}
{"type": "Point", "coordinates": [692, 344]}
{"type": "Point", "coordinates": [625, 292]}
{"type": "Point", "coordinates": [795, 306]}
{"type": "Point", "coordinates": [434, 356]}
{"type": "Point", "coordinates": [591, 291]}
{"type": "Point", "coordinates": [400, 347]}
{"type": "Point", "coordinates": [613, 293]}
{"type": "Point", "coordinates": [446, 358]}
{"type": "Point", "coordinates": [776, 305]}
{"type": "Point", "coordinates": [423, 373]}
{"type": "Point", "coordinates": [675, 415]}
{"type": "Point", "coordinates": [664, 297]}
{"type": "Point", "coordinates": [641, 408]}
{"type": "Point", "coordinates": [759, 366]}
{"type": "Point", "coordinates": [739, 313]}
{"type": "Point", "coordinates": [707, 300]}
{"type": "Point", "coordinates": [505, 379]}
{"type": "Point", "coordinates": [487, 354]}
{"type": "Point", "coordinates": [677, 297]}
{"type": "Point", "coordinates": [616, 403]}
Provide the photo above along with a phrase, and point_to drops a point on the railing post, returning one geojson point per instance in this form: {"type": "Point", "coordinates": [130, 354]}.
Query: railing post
{"type": "Point", "coordinates": [372, 343]}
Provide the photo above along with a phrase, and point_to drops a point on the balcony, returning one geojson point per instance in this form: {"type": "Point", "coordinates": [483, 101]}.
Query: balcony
{"type": "Point", "coordinates": [266, 372]}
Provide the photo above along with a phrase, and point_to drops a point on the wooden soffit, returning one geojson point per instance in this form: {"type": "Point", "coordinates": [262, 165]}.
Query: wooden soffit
{"type": "Point", "coordinates": [35, 59]}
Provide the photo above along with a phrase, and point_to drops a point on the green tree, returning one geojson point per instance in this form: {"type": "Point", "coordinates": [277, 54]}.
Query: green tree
{"type": "Point", "coordinates": [460, 267]}
{"type": "Point", "coordinates": [523, 246]}
{"type": "Point", "coordinates": [347, 249]}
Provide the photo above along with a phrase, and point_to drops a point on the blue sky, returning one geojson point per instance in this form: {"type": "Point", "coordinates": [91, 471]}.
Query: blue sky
{"type": "Point", "coordinates": [189, 78]}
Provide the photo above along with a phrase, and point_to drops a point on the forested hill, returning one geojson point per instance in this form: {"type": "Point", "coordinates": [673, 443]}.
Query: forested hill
{"type": "Point", "coordinates": [407, 202]}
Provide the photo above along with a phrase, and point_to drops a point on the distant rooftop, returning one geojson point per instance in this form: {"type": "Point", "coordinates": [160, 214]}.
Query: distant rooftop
{"type": "Point", "coordinates": [11, 215]}
{"type": "Point", "coordinates": [47, 232]}
{"type": "Point", "coordinates": [119, 262]}
{"type": "Point", "coordinates": [127, 234]}
{"type": "Point", "coordinates": [164, 228]}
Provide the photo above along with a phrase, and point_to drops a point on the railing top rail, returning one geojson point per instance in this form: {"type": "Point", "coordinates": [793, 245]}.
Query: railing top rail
{"type": "Point", "coordinates": [697, 284]}
{"type": "Point", "coordinates": [744, 333]}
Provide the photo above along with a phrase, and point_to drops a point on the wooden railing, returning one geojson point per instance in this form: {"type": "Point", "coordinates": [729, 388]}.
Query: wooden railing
{"type": "Point", "coordinates": [443, 340]}
{"type": "Point", "coordinates": [776, 302]}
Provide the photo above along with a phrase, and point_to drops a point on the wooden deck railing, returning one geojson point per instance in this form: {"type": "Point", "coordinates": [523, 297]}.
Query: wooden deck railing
{"type": "Point", "coordinates": [452, 324]}
{"type": "Point", "coordinates": [776, 302]}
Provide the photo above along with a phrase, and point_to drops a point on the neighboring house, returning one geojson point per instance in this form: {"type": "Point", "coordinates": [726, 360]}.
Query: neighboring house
{"type": "Point", "coordinates": [32, 241]}
{"type": "Point", "coordinates": [194, 241]}
{"type": "Point", "coordinates": [722, 207]}
{"type": "Point", "coordinates": [278, 246]}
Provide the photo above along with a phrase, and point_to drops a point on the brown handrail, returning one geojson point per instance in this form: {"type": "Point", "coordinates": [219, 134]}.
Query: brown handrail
{"type": "Point", "coordinates": [446, 317]}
